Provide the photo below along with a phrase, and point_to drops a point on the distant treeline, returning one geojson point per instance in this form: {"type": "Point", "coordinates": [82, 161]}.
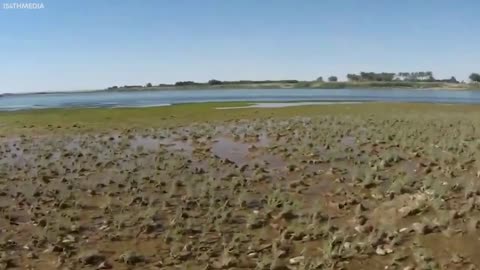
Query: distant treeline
{"type": "Point", "coordinates": [210, 82]}
{"type": "Point", "coordinates": [378, 78]}
{"type": "Point", "coordinates": [218, 82]}
{"type": "Point", "coordinates": [421, 76]}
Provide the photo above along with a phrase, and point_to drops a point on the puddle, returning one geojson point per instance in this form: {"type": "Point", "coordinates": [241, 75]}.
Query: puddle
{"type": "Point", "coordinates": [283, 105]}
{"type": "Point", "coordinates": [348, 141]}
{"type": "Point", "coordinates": [179, 145]}
{"type": "Point", "coordinates": [154, 144]}
{"type": "Point", "coordinates": [146, 143]}
{"type": "Point", "coordinates": [237, 152]}
{"type": "Point", "coordinates": [242, 153]}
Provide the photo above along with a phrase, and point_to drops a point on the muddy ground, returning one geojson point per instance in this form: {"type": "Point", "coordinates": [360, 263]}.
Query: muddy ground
{"type": "Point", "coordinates": [320, 192]}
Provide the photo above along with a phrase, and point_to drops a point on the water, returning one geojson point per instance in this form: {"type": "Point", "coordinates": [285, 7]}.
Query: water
{"type": "Point", "coordinates": [168, 97]}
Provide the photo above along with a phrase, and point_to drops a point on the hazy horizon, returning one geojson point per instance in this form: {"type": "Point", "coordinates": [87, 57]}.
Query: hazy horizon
{"type": "Point", "coordinates": [93, 45]}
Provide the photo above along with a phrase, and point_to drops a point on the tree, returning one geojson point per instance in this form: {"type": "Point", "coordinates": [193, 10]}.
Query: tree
{"type": "Point", "coordinates": [185, 83]}
{"type": "Point", "coordinates": [353, 77]}
{"type": "Point", "coordinates": [148, 85]}
{"type": "Point", "coordinates": [320, 79]}
{"type": "Point", "coordinates": [214, 82]}
{"type": "Point", "coordinates": [474, 77]}
{"type": "Point", "coordinates": [453, 80]}
{"type": "Point", "coordinates": [332, 79]}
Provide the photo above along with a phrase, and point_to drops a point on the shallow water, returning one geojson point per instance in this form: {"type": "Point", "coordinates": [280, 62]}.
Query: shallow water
{"type": "Point", "coordinates": [168, 97]}
{"type": "Point", "coordinates": [283, 104]}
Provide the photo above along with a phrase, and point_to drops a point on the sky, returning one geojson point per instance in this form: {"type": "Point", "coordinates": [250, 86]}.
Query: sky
{"type": "Point", "coordinates": [91, 44]}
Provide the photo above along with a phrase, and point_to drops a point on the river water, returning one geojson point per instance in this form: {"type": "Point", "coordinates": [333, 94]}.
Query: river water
{"type": "Point", "coordinates": [170, 97]}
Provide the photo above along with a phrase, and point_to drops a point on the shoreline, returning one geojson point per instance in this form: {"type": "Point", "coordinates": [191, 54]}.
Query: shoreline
{"type": "Point", "coordinates": [278, 86]}
{"type": "Point", "coordinates": [98, 119]}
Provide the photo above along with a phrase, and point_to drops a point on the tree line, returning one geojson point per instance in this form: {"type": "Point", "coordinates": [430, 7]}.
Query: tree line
{"type": "Point", "coordinates": [421, 76]}
{"type": "Point", "coordinates": [218, 82]}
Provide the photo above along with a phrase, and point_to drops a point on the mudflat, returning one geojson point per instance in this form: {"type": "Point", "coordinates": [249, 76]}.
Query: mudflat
{"type": "Point", "coordinates": [351, 186]}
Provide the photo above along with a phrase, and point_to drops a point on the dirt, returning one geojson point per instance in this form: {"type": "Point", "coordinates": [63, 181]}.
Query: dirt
{"type": "Point", "coordinates": [327, 192]}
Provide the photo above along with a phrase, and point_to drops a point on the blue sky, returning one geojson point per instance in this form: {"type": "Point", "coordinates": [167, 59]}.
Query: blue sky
{"type": "Point", "coordinates": [91, 44]}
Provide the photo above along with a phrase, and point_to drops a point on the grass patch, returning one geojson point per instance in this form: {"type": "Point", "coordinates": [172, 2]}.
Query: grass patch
{"type": "Point", "coordinates": [97, 119]}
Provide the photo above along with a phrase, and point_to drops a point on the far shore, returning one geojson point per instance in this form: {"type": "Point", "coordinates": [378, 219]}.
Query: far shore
{"type": "Point", "coordinates": [281, 86]}
{"type": "Point", "coordinates": [310, 85]}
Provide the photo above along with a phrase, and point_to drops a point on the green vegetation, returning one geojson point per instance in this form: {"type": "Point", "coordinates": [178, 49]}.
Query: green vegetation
{"type": "Point", "coordinates": [96, 119]}
{"type": "Point", "coordinates": [332, 79]}
{"type": "Point", "coordinates": [475, 77]}
{"type": "Point", "coordinates": [421, 79]}
{"type": "Point", "coordinates": [422, 76]}
{"type": "Point", "coordinates": [310, 84]}
{"type": "Point", "coordinates": [371, 76]}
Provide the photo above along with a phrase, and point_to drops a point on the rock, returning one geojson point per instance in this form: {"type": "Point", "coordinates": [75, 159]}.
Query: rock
{"type": "Point", "coordinates": [296, 260]}
{"type": "Point", "coordinates": [363, 228]}
{"type": "Point", "coordinates": [69, 239]}
{"type": "Point", "coordinates": [409, 211]}
{"type": "Point", "coordinates": [91, 257]}
{"type": "Point", "coordinates": [291, 167]}
{"type": "Point", "coordinates": [380, 251]}
{"type": "Point", "coordinates": [421, 228]}
{"type": "Point", "coordinates": [287, 215]}
{"type": "Point", "coordinates": [359, 209]}
{"type": "Point", "coordinates": [42, 222]}
{"type": "Point", "coordinates": [131, 258]}
{"type": "Point", "coordinates": [361, 220]}
{"type": "Point", "coordinates": [104, 265]}
{"type": "Point", "coordinates": [32, 255]}
{"type": "Point", "coordinates": [158, 264]}
{"type": "Point", "coordinates": [255, 223]}
{"type": "Point", "coordinates": [457, 259]}
{"type": "Point", "coordinates": [298, 183]}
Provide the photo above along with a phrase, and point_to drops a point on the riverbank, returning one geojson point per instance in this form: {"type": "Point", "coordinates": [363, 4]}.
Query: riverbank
{"type": "Point", "coordinates": [312, 85]}
{"type": "Point", "coordinates": [98, 119]}
{"type": "Point", "coordinates": [350, 186]}
{"type": "Point", "coordinates": [275, 85]}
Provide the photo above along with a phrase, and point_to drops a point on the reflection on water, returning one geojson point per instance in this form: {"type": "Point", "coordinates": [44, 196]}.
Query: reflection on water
{"type": "Point", "coordinates": [226, 148]}
{"type": "Point", "coordinates": [242, 153]}
{"type": "Point", "coordinates": [154, 144]}
{"type": "Point", "coordinates": [34, 156]}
